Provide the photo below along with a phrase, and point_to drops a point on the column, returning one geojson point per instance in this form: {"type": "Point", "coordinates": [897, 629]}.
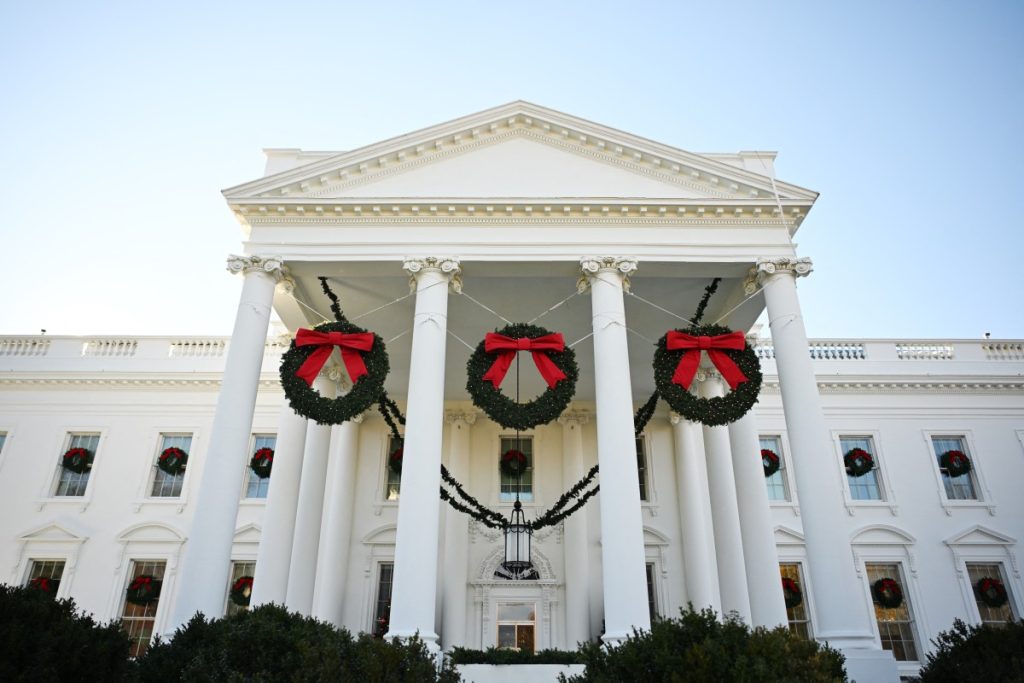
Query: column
{"type": "Point", "coordinates": [456, 537]}
{"type": "Point", "coordinates": [695, 514]}
{"type": "Point", "coordinates": [725, 516]}
{"type": "Point", "coordinates": [761, 559]}
{"type": "Point", "coordinates": [270, 583]}
{"type": "Point", "coordinates": [414, 594]}
{"type": "Point", "coordinates": [306, 540]}
{"type": "Point", "coordinates": [336, 523]}
{"type": "Point", "coordinates": [577, 557]}
{"type": "Point", "coordinates": [843, 615]}
{"type": "Point", "coordinates": [622, 539]}
{"type": "Point", "coordinates": [205, 567]}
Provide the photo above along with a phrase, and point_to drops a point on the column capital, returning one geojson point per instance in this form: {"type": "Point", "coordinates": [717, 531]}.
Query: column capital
{"type": "Point", "coordinates": [574, 417]}
{"type": "Point", "coordinates": [448, 265]}
{"type": "Point", "coordinates": [778, 265]}
{"type": "Point", "coordinates": [592, 266]}
{"type": "Point", "coordinates": [467, 417]}
{"type": "Point", "coordinates": [271, 265]}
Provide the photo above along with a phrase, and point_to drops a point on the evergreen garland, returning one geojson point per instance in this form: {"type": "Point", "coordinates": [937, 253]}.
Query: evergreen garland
{"type": "Point", "coordinates": [482, 514]}
{"type": "Point", "coordinates": [708, 293]}
{"type": "Point", "coordinates": [390, 412]}
{"type": "Point", "coordinates": [556, 513]}
{"type": "Point", "coordinates": [645, 413]}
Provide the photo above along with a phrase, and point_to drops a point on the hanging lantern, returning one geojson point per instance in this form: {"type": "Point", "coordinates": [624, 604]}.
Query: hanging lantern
{"type": "Point", "coordinates": [517, 564]}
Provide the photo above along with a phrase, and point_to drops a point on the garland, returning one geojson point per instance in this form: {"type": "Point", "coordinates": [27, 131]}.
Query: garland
{"type": "Point", "coordinates": [395, 460]}
{"type": "Point", "coordinates": [77, 460]}
{"type": "Point", "coordinates": [485, 516]}
{"type": "Point", "coordinates": [45, 584]}
{"type": "Point", "coordinates": [557, 512]}
{"type": "Point", "coordinates": [262, 462]}
{"type": "Point", "coordinates": [390, 412]}
{"type": "Point", "coordinates": [513, 462]}
{"type": "Point", "coordinates": [791, 592]}
{"type": "Point", "coordinates": [991, 591]}
{"type": "Point", "coordinates": [172, 461]}
{"type": "Point", "coordinates": [734, 358]}
{"type": "Point", "coordinates": [143, 590]}
{"type": "Point", "coordinates": [887, 593]}
{"type": "Point", "coordinates": [644, 414]}
{"type": "Point", "coordinates": [770, 461]}
{"type": "Point", "coordinates": [484, 373]}
{"type": "Point", "coordinates": [956, 463]}
{"type": "Point", "coordinates": [858, 462]}
{"type": "Point", "coordinates": [241, 591]}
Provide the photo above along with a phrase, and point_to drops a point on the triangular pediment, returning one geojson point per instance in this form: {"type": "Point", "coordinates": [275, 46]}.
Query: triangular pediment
{"type": "Point", "coordinates": [520, 151]}
{"type": "Point", "coordinates": [979, 535]}
{"type": "Point", "coordinates": [786, 536]}
{"type": "Point", "coordinates": [250, 533]}
{"type": "Point", "coordinates": [52, 533]}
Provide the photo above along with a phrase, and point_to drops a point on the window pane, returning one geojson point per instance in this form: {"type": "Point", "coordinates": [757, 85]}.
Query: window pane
{"type": "Point", "coordinates": [256, 487]}
{"type": "Point", "coordinates": [990, 615]}
{"type": "Point", "coordinates": [238, 570]}
{"type": "Point", "coordinates": [866, 486]}
{"type": "Point", "coordinates": [382, 613]}
{"type": "Point", "coordinates": [957, 488]}
{"type": "Point", "coordinates": [517, 622]}
{"type": "Point", "coordinates": [508, 482]}
{"type": "Point", "coordinates": [169, 485]}
{"type": "Point", "coordinates": [641, 468]}
{"type": "Point", "coordinates": [896, 624]}
{"type": "Point", "coordinates": [515, 611]}
{"type": "Point", "coordinates": [137, 620]}
{"type": "Point", "coordinates": [73, 483]}
{"type": "Point", "coordinates": [524, 637]}
{"type": "Point", "coordinates": [393, 480]}
{"type": "Point", "coordinates": [799, 621]}
{"type": "Point", "coordinates": [651, 603]}
{"type": "Point", "coordinates": [776, 484]}
{"type": "Point", "coordinates": [506, 635]}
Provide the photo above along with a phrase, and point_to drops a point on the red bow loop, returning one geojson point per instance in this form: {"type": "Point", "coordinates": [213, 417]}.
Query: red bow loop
{"type": "Point", "coordinates": [715, 347]}
{"type": "Point", "coordinates": [507, 347]}
{"type": "Point", "coordinates": [352, 347]}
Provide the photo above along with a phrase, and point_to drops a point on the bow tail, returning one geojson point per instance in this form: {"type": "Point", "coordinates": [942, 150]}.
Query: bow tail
{"type": "Point", "coordinates": [499, 368]}
{"type": "Point", "coordinates": [313, 363]}
{"type": "Point", "coordinates": [551, 373]}
{"type": "Point", "coordinates": [354, 364]}
{"type": "Point", "coordinates": [730, 371]}
{"type": "Point", "coordinates": [686, 369]}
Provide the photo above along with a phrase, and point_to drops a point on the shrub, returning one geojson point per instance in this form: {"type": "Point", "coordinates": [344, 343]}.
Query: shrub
{"type": "Point", "coordinates": [43, 639]}
{"type": "Point", "coordinates": [977, 653]}
{"type": "Point", "coordinates": [493, 655]}
{"type": "Point", "coordinates": [696, 646]}
{"type": "Point", "coordinates": [270, 644]}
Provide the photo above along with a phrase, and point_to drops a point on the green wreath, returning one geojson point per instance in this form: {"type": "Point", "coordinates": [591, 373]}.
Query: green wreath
{"type": "Point", "coordinates": [307, 401]}
{"type": "Point", "coordinates": [507, 412]}
{"type": "Point", "coordinates": [718, 410]}
{"type": "Point", "coordinates": [241, 591]}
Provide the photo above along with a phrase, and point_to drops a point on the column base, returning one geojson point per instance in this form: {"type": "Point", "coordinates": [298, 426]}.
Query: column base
{"type": "Point", "coordinates": [428, 639]}
{"type": "Point", "coordinates": [615, 639]}
{"type": "Point", "coordinates": [870, 666]}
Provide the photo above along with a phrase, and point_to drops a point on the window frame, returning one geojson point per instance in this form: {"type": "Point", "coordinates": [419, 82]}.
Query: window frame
{"type": "Point", "coordinates": [375, 596]}
{"type": "Point", "coordinates": [984, 494]}
{"type": "Point", "coordinates": [69, 438]}
{"type": "Point", "coordinates": [47, 495]}
{"type": "Point", "coordinates": [533, 497]}
{"type": "Point", "coordinates": [384, 480]}
{"type": "Point", "coordinates": [159, 615]}
{"type": "Point", "coordinates": [498, 623]}
{"type": "Point", "coordinates": [236, 572]}
{"type": "Point", "coordinates": [785, 469]}
{"type": "Point", "coordinates": [911, 599]}
{"type": "Point", "coordinates": [249, 475]}
{"type": "Point", "coordinates": [156, 447]}
{"type": "Point", "coordinates": [885, 485]}
{"type": "Point", "coordinates": [801, 574]}
{"type": "Point", "coordinates": [1004, 576]}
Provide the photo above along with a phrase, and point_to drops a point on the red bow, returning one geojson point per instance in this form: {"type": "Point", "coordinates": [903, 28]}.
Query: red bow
{"type": "Point", "coordinates": [507, 348]}
{"type": "Point", "coordinates": [350, 345]}
{"type": "Point", "coordinates": [687, 367]}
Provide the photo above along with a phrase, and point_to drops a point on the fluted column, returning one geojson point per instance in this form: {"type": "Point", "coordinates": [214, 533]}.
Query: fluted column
{"type": "Point", "coordinates": [205, 567]}
{"type": "Point", "coordinates": [622, 540]}
{"type": "Point", "coordinates": [695, 514]}
{"type": "Point", "coordinates": [761, 559]}
{"type": "Point", "coordinates": [843, 616]}
{"type": "Point", "coordinates": [270, 582]}
{"type": "Point", "coordinates": [414, 597]}
{"type": "Point", "coordinates": [306, 541]}
{"type": "Point", "coordinates": [336, 523]}
{"type": "Point", "coordinates": [456, 537]}
{"type": "Point", "coordinates": [725, 516]}
{"type": "Point", "coordinates": [577, 559]}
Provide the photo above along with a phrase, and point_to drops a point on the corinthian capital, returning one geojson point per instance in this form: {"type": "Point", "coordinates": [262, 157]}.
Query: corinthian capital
{"type": "Point", "coordinates": [779, 265]}
{"type": "Point", "coordinates": [449, 265]}
{"type": "Point", "coordinates": [592, 266]}
{"type": "Point", "coordinates": [270, 265]}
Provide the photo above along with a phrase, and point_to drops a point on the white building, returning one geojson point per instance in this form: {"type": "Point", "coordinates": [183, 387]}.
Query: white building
{"type": "Point", "coordinates": [498, 217]}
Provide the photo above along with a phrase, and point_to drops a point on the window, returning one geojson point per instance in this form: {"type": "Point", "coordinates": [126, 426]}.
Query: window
{"type": "Point", "coordinates": [137, 620]}
{"type": "Point", "coordinates": [996, 616]}
{"type": "Point", "coordinates": [72, 483]}
{"type": "Point", "coordinates": [256, 487]}
{"type": "Point", "coordinates": [46, 569]}
{"type": "Point", "coordinates": [867, 486]}
{"type": "Point", "coordinates": [895, 624]}
{"type": "Point", "coordinates": [393, 479]}
{"type": "Point", "coordinates": [238, 570]}
{"type": "Point", "coordinates": [641, 467]}
{"type": "Point", "coordinates": [778, 488]}
{"type": "Point", "coordinates": [517, 622]}
{"type": "Point", "coordinates": [382, 612]}
{"type": "Point", "coordinates": [652, 604]}
{"type": "Point", "coordinates": [961, 487]}
{"type": "Point", "coordinates": [799, 621]}
{"type": "Point", "coordinates": [169, 485]}
{"type": "Point", "coordinates": [524, 444]}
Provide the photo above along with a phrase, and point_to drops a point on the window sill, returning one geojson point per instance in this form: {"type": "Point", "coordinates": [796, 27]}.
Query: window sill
{"type": "Point", "coordinates": [67, 501]}
{"type": "Point", "coordinates": [380, 506]}
{"type": "Point", "coordinates": [852, 506]}
{"type": "Point", "coordinates": [179, 503]}
{"type": "Point", "coordinates": [949, 505]}
{"type": "Point", "coordinates": [252, 502]}
{"type": "Point", "coordinates": [784, 505]}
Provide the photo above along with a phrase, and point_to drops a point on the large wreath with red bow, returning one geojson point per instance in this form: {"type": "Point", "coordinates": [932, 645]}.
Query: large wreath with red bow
{"type": "Point", "coordinates": [493, 357]}
{"type": "Point", "coordinates": [365, 360]}
{"type": "Point", "coordinates": [675, 366]}
{"type": "Point", "coordinates": [887, 593]}
{"type": "Point", "coordinates": [991, 591]}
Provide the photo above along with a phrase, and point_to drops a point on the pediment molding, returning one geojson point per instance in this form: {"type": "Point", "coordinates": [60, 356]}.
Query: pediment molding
{"type": "Point", "coordinates": [881, 534]}
{"type": "Point", "coordinates": [53, 532]}
{"type": "Point", "coordinates": [980, 535]}
{"type": "Point", "coordinates": [151, 532]}
{"type": "Point", "coordinates": [786, 536]}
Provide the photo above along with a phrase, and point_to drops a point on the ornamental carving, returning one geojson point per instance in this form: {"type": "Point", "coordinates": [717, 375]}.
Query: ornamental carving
{"type": "Point", "coordinates": [591, 266]}
{"type": "Point", "coordinates": [271, 265]}
{"type": "Point", "coordinates": [449, 265]}
{"type": "Point", "coordinates": [778, 265]}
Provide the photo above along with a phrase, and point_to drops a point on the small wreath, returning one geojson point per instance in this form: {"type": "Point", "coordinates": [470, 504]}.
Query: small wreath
{"type": "Point", "coordinates": [77, 460]}
{"type": "Point", "coordinates": [395, 460]}
{"type": "Point", "coordinates": [956, 463]}
{"type": "Point", "coordinates": [791, 592]}
{"type": "Point", "coordinates": [45, 584]}
{"type": "Point", "coordinates": [513, 462]}
{"type": "Point", "coordinates": [143, 590]}
{"type": "Point", "coordinates": [262, 462]}
{"type": "Point", "coordinates": [991, 591]}
{"type": "Point", "coordinates": [858, 462]}
{"type": "Point", "coordinates": [366, 388]}
{"type": "Point", "coordinates": [770, 461]}
{"type": "Point", "coordinates": [172, 460]}
{"type": "Point", "coordinates": [675, 367]}
{"type": "Point", "coordinates": [241, 591]}
{"type": "Point", "coordinates": [887, 593]}
{"type": "Point", "coordinates": [485, 371]}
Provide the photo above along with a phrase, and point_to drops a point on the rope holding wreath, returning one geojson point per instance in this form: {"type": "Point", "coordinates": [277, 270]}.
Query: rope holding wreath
{"type": "Point", "coordinates": [858, 462]}
{"type": "Point", "coordinates": [956, 463]}
{"type": "Point", "coordinates": [887, 593]}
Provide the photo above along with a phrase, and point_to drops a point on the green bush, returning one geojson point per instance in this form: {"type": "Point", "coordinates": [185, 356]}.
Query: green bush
{"type": "Point", "coordinates": [42, 639]}
{"type": "Point", "coordinates": [977, 653]}
{"type": "Point", "coordinates": [493, 655]}
{"type": "Point", "coordinates": [270, 644]}
{"type": "Point", "coordinates": [698, 647]}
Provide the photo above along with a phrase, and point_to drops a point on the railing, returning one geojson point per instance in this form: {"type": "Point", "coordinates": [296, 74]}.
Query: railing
{"type": "Point", "coordinates": [21, 346]}
{"type": "Point", "coordinates": [198, 348]}
{"type": "Point", "coordinates": [1003, 350]}
{"type": "Point", "coordinates": [819, 350]}
{"type": "Point", "coordinates": [924, 351]}
{"type": "Point", "coordinates": [110, 347]}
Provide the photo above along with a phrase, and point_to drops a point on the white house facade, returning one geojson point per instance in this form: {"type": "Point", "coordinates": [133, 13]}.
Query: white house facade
{"type": "Point", "coordinates": [431, 240]}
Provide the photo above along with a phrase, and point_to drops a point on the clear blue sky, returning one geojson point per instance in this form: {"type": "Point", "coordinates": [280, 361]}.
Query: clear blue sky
{"type": "Point", "coordinates": [120, 122]}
